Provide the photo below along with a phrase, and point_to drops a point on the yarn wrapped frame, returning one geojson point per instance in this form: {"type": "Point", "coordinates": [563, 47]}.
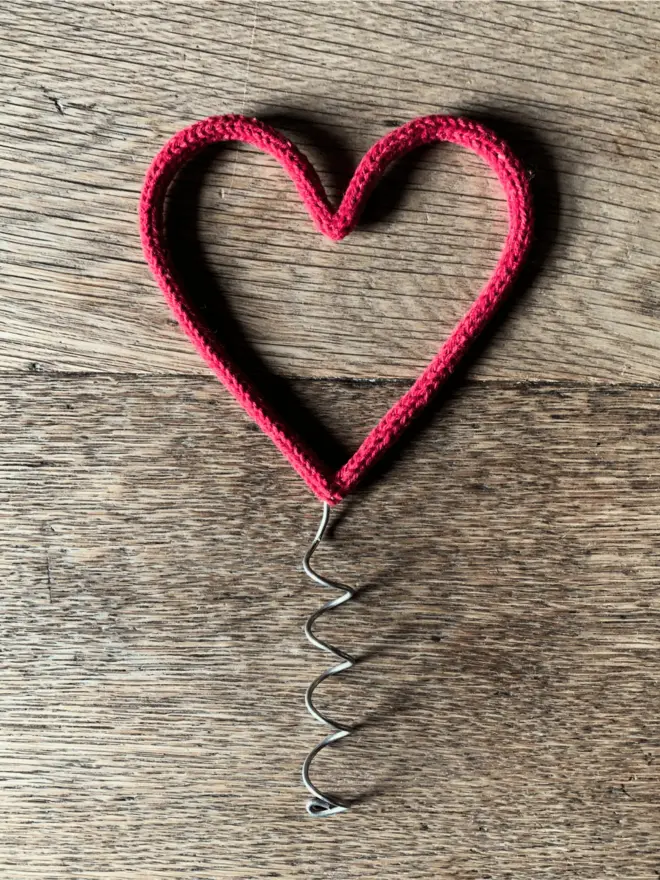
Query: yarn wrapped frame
{"type": "Point", "coordinates": [332, 486]}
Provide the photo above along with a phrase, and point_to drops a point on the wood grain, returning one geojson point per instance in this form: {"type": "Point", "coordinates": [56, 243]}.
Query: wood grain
{"type": "Point", "coordinates": [152, 660]}
{"type": "Point", "coordinates": [154, 664]}
{"type": "Point", "coordinates": [93, 91]}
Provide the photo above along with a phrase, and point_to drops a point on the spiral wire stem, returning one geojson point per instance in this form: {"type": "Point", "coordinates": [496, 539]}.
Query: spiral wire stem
{"type": "Point", "coordinates": [320, 804]}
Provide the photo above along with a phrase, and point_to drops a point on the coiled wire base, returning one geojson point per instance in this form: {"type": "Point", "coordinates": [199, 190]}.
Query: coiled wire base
{"type": "Point", "coordinates": [322, 804]}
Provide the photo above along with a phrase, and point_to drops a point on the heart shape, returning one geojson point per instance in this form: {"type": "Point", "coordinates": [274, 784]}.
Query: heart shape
{"type": "Point", "coordinates": [336, 224]}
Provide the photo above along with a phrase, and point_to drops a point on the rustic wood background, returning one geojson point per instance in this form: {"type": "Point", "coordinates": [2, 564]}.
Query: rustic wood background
{"type": "Point", "coordinates": [152, 662]}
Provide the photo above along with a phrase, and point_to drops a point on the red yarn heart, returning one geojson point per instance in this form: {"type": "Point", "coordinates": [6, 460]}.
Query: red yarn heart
{"type": "Point", "coordinates": [332, 487]}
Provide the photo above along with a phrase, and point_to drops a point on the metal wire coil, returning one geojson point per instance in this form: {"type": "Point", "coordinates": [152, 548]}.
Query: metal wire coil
{"type": "Point", "coordinates": [321, 804]}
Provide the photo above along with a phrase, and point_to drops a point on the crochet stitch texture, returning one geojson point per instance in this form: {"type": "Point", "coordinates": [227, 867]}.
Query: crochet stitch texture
{"type": "Point", "coordinates": [336, 224]}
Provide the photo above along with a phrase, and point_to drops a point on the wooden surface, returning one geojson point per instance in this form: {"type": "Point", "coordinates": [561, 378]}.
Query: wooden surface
{"type": "Point", "coordinates": [152, 662]}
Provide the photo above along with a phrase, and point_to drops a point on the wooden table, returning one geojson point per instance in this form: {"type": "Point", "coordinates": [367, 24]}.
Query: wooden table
{"type": "Point", "coordinates": [153, 663]}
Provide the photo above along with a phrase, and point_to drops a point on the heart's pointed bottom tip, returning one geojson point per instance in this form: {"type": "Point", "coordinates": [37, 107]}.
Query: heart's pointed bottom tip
{"type": "Point", "coordinates": [332, 232]}
{"type": "Point", "coordinates": [332, 498]}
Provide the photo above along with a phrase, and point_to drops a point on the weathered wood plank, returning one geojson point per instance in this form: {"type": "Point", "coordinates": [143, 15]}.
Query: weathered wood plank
{"type": "Point", "coordinates": [153, 664]}
{"type": "Point", "coordinates": [92, 90]}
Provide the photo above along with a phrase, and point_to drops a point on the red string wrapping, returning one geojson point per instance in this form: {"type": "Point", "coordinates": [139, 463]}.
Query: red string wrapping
{"type": "Point", "coordinates": [336, 224]}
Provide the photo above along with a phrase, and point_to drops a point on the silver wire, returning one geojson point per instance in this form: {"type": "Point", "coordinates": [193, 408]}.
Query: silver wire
{"type": "Point", "coordinates": [321, 804]}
